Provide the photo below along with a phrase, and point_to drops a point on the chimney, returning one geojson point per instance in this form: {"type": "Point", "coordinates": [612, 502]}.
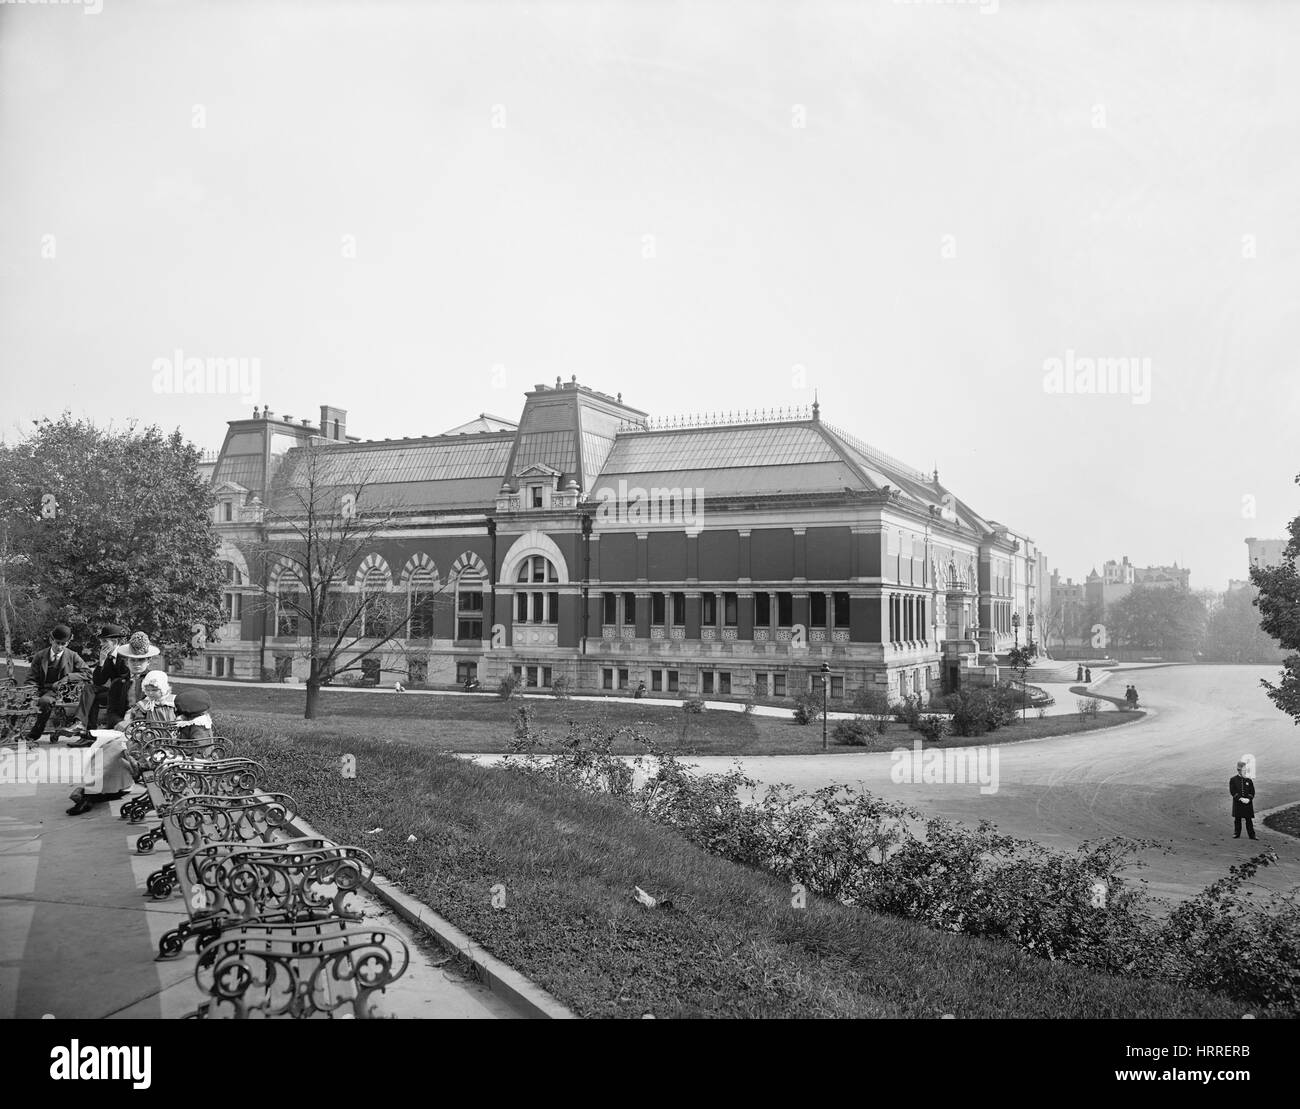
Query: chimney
{"type": "Point", "coordinates": [333, 422]}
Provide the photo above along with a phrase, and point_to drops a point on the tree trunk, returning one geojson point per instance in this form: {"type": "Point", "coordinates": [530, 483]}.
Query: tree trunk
{"type": "Point", "coordinates": [313, 694]}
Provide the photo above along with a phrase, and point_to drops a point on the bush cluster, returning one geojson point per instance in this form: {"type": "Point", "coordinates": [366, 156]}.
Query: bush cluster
{"type": "Point", "coordinates": [976, 711]}
{"type": "Point", "coordinates": [807, 708]}
{"type": "Point", "coordinates": [862, 850]}
{"type": "Point", "coordinates": [509, 684]}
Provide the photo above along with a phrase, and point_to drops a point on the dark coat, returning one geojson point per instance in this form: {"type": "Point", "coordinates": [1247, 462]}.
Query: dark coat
{"type": "Point", "coordinates": [114, 668]}
{"type": "Point", "coordinates": [1243, 795]}
{"type": "Point", "coordinates": [43, 674]}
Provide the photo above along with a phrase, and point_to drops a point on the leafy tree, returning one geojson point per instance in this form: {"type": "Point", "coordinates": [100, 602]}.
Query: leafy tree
{"type": "Point", "coordinates": [1232, 631]}
{"type": "Point", "coordinates": [1279, 604]}
{"type": "Point", "coordinates": [322, 519]}
{"type": "Point", "coordinates": [109, 525]}
{"type": "Point", "coordinates": [1157, 618]}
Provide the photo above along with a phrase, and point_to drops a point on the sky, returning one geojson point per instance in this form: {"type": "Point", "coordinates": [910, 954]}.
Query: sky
{"type": "Point", "coordinates": [933, 215]}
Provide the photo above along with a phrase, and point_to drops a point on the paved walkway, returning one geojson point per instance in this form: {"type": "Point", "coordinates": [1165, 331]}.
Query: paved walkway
{"type": "Point", "coordinates": [78, 935]}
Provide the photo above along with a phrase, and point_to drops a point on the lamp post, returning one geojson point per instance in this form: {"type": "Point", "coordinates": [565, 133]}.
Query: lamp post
{"type": "Point", "coordinates": [1029, 632]}
{"type": "Point", "coordinates": [1015, 625]}
{"type": "Point", "coordinates": [826, 681]}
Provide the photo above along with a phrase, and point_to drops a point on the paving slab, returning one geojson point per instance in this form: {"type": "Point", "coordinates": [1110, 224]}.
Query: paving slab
{"type": "Point", "coordinates": [78, 932]}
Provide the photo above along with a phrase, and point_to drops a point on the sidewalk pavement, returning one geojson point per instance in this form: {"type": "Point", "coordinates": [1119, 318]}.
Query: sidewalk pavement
{"type": "Point", "coordinates": [78, 935]}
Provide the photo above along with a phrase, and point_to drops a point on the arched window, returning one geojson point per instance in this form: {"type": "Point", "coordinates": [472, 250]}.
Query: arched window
{"type": "Point", "coordinates": [375, 598]}
{"type": "Point", "coordinates": [288, 604]}
{"type": "Point", "coordinates": [421, 589]}
{"type": "Point", "coordinates": [469, 603]}
{"type": "Point", "coordinates": [533, 605]}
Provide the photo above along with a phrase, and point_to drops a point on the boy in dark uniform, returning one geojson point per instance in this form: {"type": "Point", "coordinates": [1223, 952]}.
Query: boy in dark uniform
{"type": "Point", "coordinates": [1243, 801]}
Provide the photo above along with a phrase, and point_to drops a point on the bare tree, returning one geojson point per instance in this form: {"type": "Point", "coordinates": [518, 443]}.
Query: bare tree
{"type": "Point", "coordinates": [322, 519]}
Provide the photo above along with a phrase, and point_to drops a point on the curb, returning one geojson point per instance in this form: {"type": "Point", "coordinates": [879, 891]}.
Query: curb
{"type": "Point", "coordinates": [502, 979]}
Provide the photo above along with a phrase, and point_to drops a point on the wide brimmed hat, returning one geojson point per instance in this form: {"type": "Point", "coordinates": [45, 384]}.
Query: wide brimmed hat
{"type": "Point", "coordinates": [193, 702]}
{"type": "Point", "coordinates": [138, 646]}
{"type": "Point", "coordinates": [113, 631]}
{"type": "Point", "coordinates": [61, 633]}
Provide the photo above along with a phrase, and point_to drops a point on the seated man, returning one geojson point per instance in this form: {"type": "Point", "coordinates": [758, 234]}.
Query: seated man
{"type": "Point", "coordinates": [110, 668]}
{"type": "Point", "coordinates": [48, 667]}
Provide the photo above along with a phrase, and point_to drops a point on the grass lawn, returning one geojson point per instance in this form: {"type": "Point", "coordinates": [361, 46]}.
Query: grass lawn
{"type": "Point", "coordinates": [1286, 821]}
{"type": "Point", "coordinates": [483, 724]}
{"type": "Point", "coordinates": [732, 946]}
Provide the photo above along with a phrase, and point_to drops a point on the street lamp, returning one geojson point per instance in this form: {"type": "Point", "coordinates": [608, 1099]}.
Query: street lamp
{"type": "Point", "coordinates": [826, 681]}
{"type": "Point", "coordinates": [1029, 632]}
{"type": "Point", "coordinates": [1015, 624]}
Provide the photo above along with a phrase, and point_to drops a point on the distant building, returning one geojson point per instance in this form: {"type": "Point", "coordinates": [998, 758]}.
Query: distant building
{"type": "Point", "coordinates": [1118, 579]}
{"type": "Point", "coordinates": [1266, 552]}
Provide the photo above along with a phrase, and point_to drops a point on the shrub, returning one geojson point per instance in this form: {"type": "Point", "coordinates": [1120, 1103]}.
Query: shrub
{"type": "Point", "coordinates": [750, 702]}
{"type": "Point", "coordinates": [871, 702]}
{"type": "Point", "coordinates": [931, 726]}
{"type": "Point", "coordinates": [693, 705]}
{"type": "Point", "coordinates": [269, 674]}
{"type": "Point", "coordinates": [509, 684]}
{"type": "Point", "coordinates": [807, 708]}
{"type": "Point", "coordinates": [562, 688]}
{"type": "Point", "coordinates": [1088, 706]}
{"type": "Point", "coordinates": [908, 710]}
{"type": "Point", "coordinates": [858, 732]}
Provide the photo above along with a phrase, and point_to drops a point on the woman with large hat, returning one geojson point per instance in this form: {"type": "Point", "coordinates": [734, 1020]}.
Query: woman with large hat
{"type": "Point", "coordinates": [141, 656]}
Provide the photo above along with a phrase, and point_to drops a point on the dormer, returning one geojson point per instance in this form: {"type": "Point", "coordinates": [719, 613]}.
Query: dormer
{"type": "Point", "coordinates": [537, 486]}
{"type": "Point", "coordinates": [230, 497]}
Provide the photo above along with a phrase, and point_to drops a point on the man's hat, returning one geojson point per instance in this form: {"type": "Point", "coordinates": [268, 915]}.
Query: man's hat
{"type": "Point", "coordinates": [138, 646]}
{"type": "Point", "coordinates": [113, 631]}
{"type": "Point", "coordinates": [61, 633]}
{"type": "Point", "coordinates": [193, 702]}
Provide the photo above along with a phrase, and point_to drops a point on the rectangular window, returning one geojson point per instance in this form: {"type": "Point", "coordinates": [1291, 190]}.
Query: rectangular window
{"type": "Point", "coordinates": [208, 663]}
{"type": "Point", "coordinates": [536, 493]}
{"type": "Point", "coordinates": [469, 629]}
{"type": "Point", "coordinates": [622, 678]}
{"type": "Point", "coordinates": [672, 681]}
{"type": "Point", "coordinates": [841, 610]}
{"type": "Point", "coordinates": [553, 616]}
{"type": "Point", "coordinates": [221, 666]}
{"type": "Point", "coordinates": [546, 676]}
{"type": "Point", "coordinates": [837, 687]}
{"type": "Point", "coordinates": [607, 678]}
{"type": "Point", "coordinates": [656, 681]}
{"type": "Point", "coordinates": [817, 610]}
{"type": "Point", "coordinates": [778, 685]}
{"type": "Point", "coordinates": [656, 608]}
{"type": "Point", "coordinates": [784, 609]}
{"type": "Point", "coordinates": [227, 511]}
{"type": "Point", "coordinates": [466, 672]}
{"type": "Point", "coordinates": [729, 610]}
{"type": "Point", "coordinates": [539, 608]}
{"type": "Point", "coordinates": [706, 681]}
{"type": "Point", "coordinates": [531, 672]}
{"type": "Point", "coordinates": [724, 681]}
{"type": "Point", "coordinates": [762, 610]}
{"type": "Point", "coordinates": [679, 609]}
{"type": "Point", "coordinates": [760, 685]}
{"type": "Point", "coordinates": [521, 608]}
{"type": "Point", "coordinates": [610, 602]}
{"type": "Point", "coordinates": [417, 670]}
{"type": "Point", "coordinates": [709, 610]}
{"type": "Point", "coordinates": [629, 609]}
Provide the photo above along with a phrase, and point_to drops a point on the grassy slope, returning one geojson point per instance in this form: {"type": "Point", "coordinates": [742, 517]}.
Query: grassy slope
{"type": "Point", "coordinates": [733, 946]}
{"type": "Point", "coordinates": [481, 724]}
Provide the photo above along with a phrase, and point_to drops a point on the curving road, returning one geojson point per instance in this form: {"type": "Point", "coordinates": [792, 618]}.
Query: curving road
{"type": "Point", "coordinates": [1163, 778]}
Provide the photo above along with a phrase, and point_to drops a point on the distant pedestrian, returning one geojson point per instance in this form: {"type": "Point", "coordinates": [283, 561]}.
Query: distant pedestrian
{"type": "Point", "coordinates": [1079, 676]}
{"type": "Point", "coordinates": [1242, 789]}
{"type": "Point", "coordinates": [1132, 696]}
{"type": "Point", "coordinates": [1088, 675]}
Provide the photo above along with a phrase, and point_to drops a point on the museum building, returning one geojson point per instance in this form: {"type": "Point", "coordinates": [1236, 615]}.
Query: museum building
{"type": "Point", "coordinates": [721, 556]}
